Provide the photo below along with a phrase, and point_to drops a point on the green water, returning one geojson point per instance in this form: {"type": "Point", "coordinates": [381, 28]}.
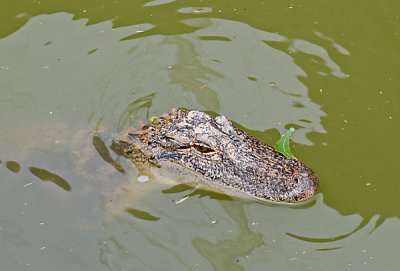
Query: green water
{"type": "Point", "coordinates": [73, 74]}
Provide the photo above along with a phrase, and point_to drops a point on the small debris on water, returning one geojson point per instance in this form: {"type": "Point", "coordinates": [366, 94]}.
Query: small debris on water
{"type": "Point", "coordinates": [154, 120]}
{"type": "Point", "coordinates": [182, 200]}
{"type": "Point", "coordinates": [27, 184]}
{"type": "Point", "coordinates": [200, 10]}
{"type": "Point", "coordinates": [213, 221]}
{"type": "Point", "coordinates": [143, 178]}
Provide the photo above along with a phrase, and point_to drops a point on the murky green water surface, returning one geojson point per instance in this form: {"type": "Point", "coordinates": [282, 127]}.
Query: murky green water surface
{"type": "Point", "coordinates": [73, 74]}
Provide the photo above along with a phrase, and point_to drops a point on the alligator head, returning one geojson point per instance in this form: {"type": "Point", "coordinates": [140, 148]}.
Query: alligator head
{"type": "Point", "coordinates": [223, 155]}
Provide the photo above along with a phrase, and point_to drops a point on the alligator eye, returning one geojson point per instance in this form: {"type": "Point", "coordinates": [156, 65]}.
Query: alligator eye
{"type": "Point", "coordinates": [296, 180]}
{"type": "Point", "coordinates": [183, 147]}
{"type": "Point", "coordinates": [203, 149]}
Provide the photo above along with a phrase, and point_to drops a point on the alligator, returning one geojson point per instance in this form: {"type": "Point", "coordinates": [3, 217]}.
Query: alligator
{"type": "Point", "coordinates": [222, 155]}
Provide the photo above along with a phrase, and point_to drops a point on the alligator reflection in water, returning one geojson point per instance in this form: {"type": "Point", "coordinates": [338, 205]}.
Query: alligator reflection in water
{"type": "Point", "coordinates": [185, 232]}
{"type": "Point", "coordinates": [238, 248]}
{"type": "Point", "coordinates": [176, 189]}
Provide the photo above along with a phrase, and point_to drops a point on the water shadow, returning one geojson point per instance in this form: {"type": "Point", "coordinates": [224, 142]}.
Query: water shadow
{"type": "Point", "coordinates": [196, 192]}
{"type": "Point", "coordinates": [104, 153]}
{"type": "Point", "coordinates": [141, 214]}
{"type": "Point", "coordinates": [134, 110]}
{"type": "Point", "coordinates": [13, 166]}
{"type": "Point", "coordinates": [45, 175]}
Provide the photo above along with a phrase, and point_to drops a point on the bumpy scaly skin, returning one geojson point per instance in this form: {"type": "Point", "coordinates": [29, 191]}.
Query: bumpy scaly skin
{"type": "Point", "coordinates": [223, 155]}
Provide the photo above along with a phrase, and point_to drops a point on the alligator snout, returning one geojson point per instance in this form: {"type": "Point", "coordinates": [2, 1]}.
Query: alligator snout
{"type": "Point", "coordinates": [301, 186]}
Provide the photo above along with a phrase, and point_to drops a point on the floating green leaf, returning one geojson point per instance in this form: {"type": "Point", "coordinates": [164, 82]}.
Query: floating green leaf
{"type": "Point", "coordinates": [154, 120]}
{"type": "Point", "coordinates": [282, 145]}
